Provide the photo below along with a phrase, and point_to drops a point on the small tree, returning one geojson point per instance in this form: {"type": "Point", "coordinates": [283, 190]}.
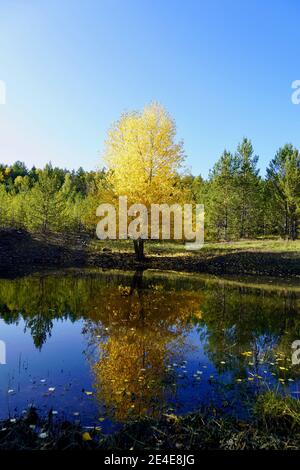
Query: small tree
{"type": "Point", "coordinates": [222, 199]}
{"type": "Point", "coordinates": [284, 174]}
{"type": "Point", "coordinates": [143, 159]}
{"type": "Point", "coordinates": [247, 189]}
{"type": "Point", "coordinates": [43, 213]}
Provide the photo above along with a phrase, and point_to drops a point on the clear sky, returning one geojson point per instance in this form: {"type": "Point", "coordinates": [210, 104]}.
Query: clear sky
{"type": "Point", "coordinates": [222, 68]}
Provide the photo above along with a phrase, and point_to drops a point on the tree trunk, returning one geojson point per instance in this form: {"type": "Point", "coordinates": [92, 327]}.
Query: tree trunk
{"type": "Point", "coordinates": [293, 223]}
{"type": "Point", "coordinates": [139, 249]}
{"type": "Point", "coordinates": [286, 228]}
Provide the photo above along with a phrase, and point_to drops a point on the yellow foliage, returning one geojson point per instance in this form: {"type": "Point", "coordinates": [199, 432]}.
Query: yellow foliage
{"type": "Point", "coordinates": [143, 158]}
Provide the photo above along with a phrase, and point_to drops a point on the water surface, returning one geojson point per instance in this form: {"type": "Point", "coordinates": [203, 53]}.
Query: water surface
{"type": "Point", "coordinates": [106, 347]}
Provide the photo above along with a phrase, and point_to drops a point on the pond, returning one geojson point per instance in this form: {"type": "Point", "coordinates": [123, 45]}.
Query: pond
{"type": "Point", "coordinates": [104, 347]}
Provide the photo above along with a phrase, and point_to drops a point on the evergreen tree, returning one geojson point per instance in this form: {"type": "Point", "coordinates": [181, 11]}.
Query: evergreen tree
{"type": "Point", "coordinates": [247, 190]}
{"type": "Point", "coordinates": [222, 199]}
{"type": "Point", "coordinates": [44, 211]}
{"type": "Point", "coordinates": [284, 174]}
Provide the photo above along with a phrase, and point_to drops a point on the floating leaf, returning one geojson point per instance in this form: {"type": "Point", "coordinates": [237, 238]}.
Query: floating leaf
{"type": "Point", "coordinates": [86, 436]}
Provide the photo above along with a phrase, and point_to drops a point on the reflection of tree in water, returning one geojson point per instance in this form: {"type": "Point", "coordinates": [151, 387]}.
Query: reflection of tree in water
{"type": "Point", "coordinates": [145, 328]}
{"type": "Point", "coordinates": [243, 319]}
{"type": "Point", "coordinates": [146, 313]}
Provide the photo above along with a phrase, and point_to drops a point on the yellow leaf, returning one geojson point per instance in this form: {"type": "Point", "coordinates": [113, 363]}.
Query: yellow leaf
{"type": "Point", "coordinates": [86, 436]}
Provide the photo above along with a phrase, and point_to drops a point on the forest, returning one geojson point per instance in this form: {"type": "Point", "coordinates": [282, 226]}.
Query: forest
{"type": "Point", "coordinates": [239, 202]}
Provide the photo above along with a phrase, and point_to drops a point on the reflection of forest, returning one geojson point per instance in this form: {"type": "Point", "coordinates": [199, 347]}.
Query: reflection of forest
{"type": "Point", "coordinates": [240, 319]}
{"type": "Point", "coordinates": [133, 321]}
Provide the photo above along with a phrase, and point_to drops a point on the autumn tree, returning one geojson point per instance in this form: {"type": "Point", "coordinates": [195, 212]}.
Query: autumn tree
{"type": "Point", "coordinates": [143, 160]}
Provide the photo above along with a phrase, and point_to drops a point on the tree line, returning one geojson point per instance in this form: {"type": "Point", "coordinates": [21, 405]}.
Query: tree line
{"type": "Point", "coordinates": [238, 202]}
{"type": "Point", "coordinates": [143, 161]}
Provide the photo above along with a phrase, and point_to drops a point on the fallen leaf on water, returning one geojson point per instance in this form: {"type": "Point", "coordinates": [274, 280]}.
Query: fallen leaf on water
{"type": "Point", "coordinates": [247, 353]}
{"type": "Point", "coordinates": [86, 436]}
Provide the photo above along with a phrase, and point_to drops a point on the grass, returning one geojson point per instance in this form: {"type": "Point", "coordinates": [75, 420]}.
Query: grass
{"type": "Point", "coordinates": [210, 248]}
{"type": "Point", "coordinates": [274, 424]}
{"type": "Point", "coordinates": [273, 408]}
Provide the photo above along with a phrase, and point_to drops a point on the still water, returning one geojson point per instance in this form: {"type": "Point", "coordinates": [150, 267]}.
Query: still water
{"type": "Point", "coordinates": [103, 347]}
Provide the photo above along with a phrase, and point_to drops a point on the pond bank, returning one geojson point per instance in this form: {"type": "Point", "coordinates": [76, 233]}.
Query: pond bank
{"type": "Point", "coordinates": [275, 424]}
{"type": "Point", "coordinates": [21, 253]}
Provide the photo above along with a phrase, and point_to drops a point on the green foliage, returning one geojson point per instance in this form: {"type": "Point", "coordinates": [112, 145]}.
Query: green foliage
{"type": "Point", "coordinates": [223, 198]}
{"type": "Point", "coordinates": [284, 175]}
{"type": "Point", "coordinates": [239, 204]}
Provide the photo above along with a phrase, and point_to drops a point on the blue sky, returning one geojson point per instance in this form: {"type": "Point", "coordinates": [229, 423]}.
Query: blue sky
{"type": "Point", "coordinates": [222, 68]}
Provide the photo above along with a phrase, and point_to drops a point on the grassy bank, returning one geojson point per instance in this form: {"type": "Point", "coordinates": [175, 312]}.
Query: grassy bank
{"type": "Point", "coordinates": [274, 424]}
{"type": "Point", "coordinates": [23, 252]}
{"type": "Point", "coordinates": [276, 245]}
